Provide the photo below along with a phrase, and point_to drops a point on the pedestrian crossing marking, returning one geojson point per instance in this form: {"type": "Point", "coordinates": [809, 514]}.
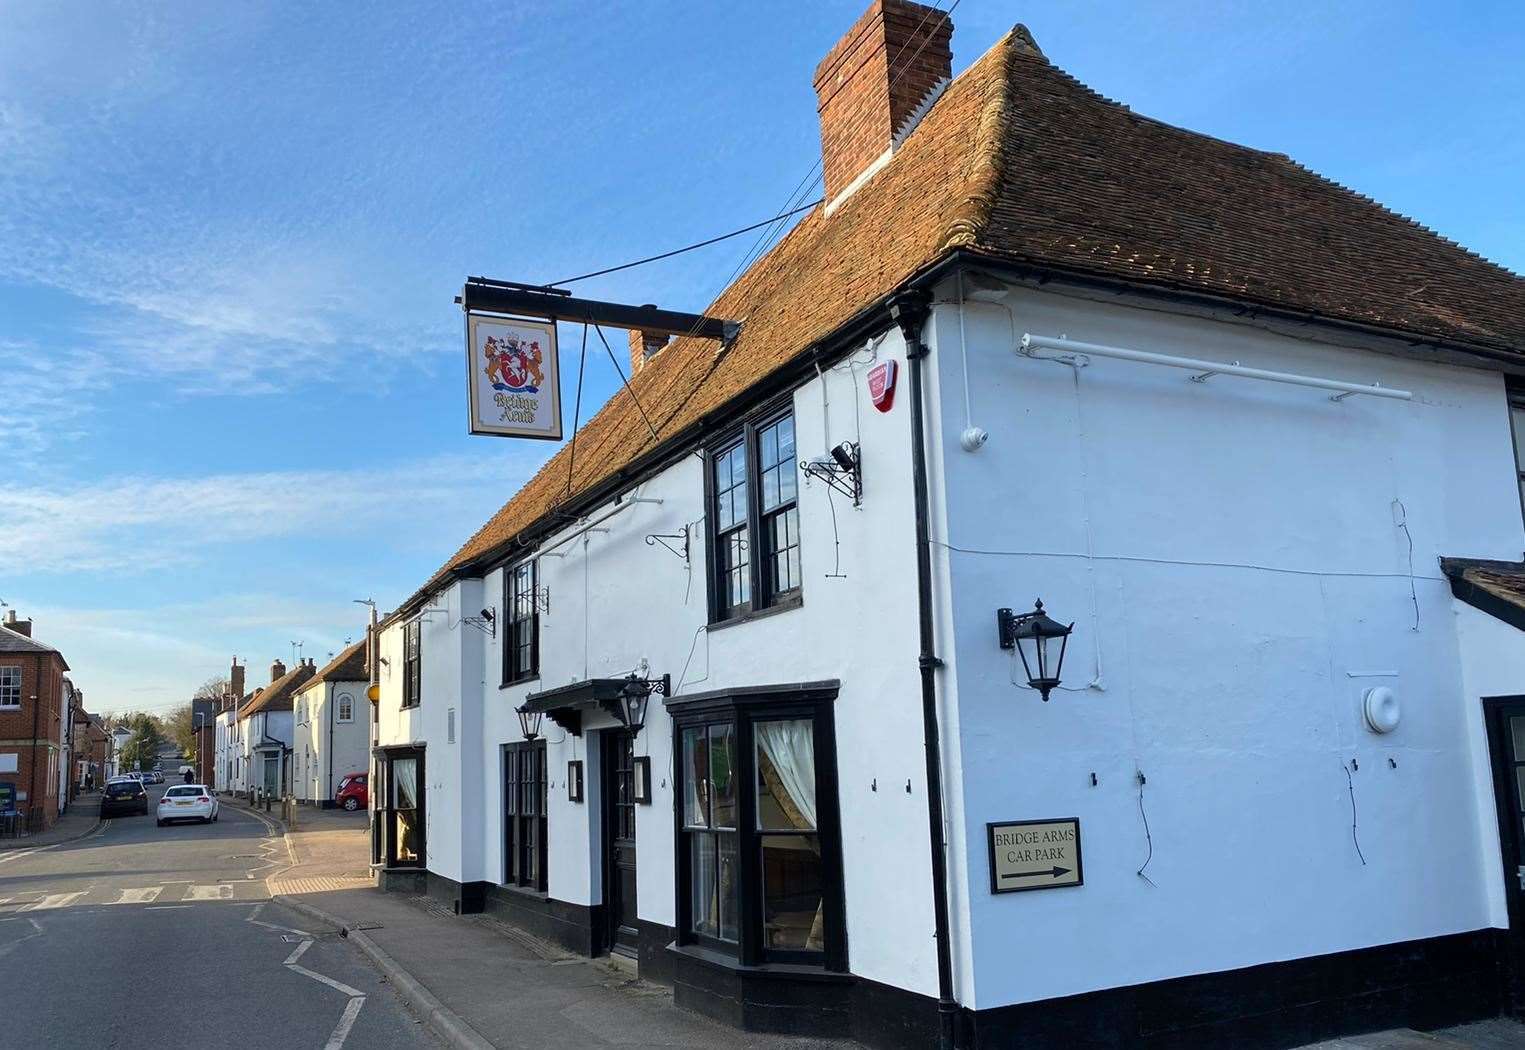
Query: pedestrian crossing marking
{"type": "Point", "coordinates": [56, 900]}
{"type": "Point", "coordinates": [210, 893]}
{"type": "Point", "coordinates": [142, 895]}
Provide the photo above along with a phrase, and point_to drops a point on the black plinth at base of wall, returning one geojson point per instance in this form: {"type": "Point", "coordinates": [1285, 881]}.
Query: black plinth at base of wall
{"type": "Point", "coordinates": [402, 880]}
{"type": "Point", "coordinates": [1422, 984]}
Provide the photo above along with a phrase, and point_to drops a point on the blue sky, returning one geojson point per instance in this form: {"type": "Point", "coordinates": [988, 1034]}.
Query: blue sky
{"type": "Point", "coordinates": [230, 235]}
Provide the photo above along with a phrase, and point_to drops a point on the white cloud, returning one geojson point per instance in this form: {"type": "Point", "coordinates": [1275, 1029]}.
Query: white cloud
{"type": "Point", "coordinates": [133, 525]}
{"type": "Point", "coordinates": [153, 657]}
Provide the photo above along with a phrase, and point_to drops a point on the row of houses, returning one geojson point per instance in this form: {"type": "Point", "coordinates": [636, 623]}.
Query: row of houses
{"type": "Point", "coordinates": [298, 736]}
{"type": "Point", "coordinates": [51, 748]}
{"type": "Point", "coordinates": [1082, 606]}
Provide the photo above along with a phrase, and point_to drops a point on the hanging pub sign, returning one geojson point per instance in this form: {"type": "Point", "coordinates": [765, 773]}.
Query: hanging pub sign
{"type": "Point", "coordinates": [513, 377]}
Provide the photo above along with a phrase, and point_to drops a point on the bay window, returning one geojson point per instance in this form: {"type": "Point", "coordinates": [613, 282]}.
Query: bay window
{"type": "Point", "coordinates": [759, 850]}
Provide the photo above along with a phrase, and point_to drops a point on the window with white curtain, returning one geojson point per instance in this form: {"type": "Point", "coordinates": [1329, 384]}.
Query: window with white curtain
{"type": "Point", "coordinates": [759, 844]}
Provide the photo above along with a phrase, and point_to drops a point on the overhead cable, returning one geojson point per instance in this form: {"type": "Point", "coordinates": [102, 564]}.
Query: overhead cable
{"type": "Point", "coordinates": [688, 248]}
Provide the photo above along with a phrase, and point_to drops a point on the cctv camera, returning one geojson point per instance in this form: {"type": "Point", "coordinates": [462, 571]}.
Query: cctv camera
{"type": "Point", "coordinates": [846, 455]}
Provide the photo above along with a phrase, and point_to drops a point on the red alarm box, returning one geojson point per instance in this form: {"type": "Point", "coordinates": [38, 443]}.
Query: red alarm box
{"type": "Point", "coordinates": [881, 384]}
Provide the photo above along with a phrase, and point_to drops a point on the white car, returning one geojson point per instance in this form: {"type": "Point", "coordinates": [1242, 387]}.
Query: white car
{"type": "Point", "coordinates": [187, 802]}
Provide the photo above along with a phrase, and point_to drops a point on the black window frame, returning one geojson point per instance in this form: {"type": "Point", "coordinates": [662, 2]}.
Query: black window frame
{"type": "Point", "coordinates": [521, 608]}
{"type": "Point", "coordinates": [412, 663]}
{"type": "Point", "coordinates": [764, 595]}
{"type": "Point", "coordinates": [743, 709]}
{"type": "Point", "coordinates": [526, 802]}
{"type": "Point", "coordinates": [387, 809]}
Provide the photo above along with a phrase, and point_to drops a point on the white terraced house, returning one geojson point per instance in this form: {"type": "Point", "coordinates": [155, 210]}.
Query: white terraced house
{"type": "Point", "coordinates": [755, 690]}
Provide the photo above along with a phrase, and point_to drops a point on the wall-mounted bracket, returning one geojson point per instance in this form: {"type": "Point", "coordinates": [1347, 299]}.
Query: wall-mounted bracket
{"type": "Point", "coordinates": [842, 470]}
{"type": "Point", "coordinates": [655, 538]}
{"type": "Point", "coordinates": [487, 623]}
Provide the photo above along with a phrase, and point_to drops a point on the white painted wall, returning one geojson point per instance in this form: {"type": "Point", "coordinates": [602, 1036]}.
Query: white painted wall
{"type": "Point", "coordinates": [321, 743]}
{"type": "Point", "coordinates": [1493, 665]}
{"type": "Point", "coordinates": [1229, 553]}
{"type": "Point", "coordinates": [614, 600]}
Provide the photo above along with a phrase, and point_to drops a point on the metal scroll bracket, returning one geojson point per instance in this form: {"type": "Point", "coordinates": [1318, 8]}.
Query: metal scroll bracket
{"type": "Point", "coordinates": [663, 538]}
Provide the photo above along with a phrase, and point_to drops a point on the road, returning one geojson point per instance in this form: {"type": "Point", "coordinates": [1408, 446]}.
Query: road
{"type": "Point", "coordinates": [139, 936]}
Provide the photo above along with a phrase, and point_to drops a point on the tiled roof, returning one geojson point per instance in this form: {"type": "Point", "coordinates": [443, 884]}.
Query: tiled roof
{"type": "Point", "coordinates": [348, 666]}
{"type": "Point", "coordinates": [1495, 587]}
{"type": "Point", "coordinates": [16, 642]}
{"type": "Point", "coordinates": [1019, 162]}
{"type": "Point", "coordinates": [277, 695]}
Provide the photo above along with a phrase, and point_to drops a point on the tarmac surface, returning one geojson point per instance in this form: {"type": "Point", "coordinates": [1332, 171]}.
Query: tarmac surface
{"type": "Point", "coordinates": [140, 936]}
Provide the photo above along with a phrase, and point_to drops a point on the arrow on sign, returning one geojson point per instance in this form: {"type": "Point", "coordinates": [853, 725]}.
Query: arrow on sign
{"type": "Point", "coordinates": [1053, 872]}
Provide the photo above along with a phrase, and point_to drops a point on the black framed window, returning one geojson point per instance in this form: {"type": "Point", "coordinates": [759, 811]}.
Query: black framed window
{"type": "Point", "coordinates": [412, 663]}
{"type": "Point", "coordinates": [759, 838]}
{"type": "Point", "coordinates": [521, 643]}
{"type": "Point", "coordinates": [710, 827]}
{"type": "Point", "coordinates": [525, 796]}
{"type": "Point", "coordinates": [403, 814]}
{"type": "Point", "coordinates": [754, 519]}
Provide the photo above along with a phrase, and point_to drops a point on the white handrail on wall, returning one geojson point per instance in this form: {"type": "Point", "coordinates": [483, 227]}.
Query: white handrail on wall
{"type": "Point", "coordinates": [1207, 369]}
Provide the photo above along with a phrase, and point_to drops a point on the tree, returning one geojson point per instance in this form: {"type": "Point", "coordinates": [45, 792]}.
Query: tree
{"type": "Point", "coordinates": [142, 748]}
{"type": "Point", "coordinates": [212, 689]}
{"type": "Point", "coordinates": [179, 727]}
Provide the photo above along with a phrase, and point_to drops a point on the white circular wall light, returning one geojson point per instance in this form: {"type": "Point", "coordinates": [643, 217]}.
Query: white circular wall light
{"type": "Point", "coordinates": [1381, 709]}
{"type": "Point", "coordinates": [973, 438]}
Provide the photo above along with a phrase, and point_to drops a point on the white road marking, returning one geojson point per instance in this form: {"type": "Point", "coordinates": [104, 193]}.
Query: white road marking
{"type": "Point", "coordinates": [165, 907]}
{"type": "Point", "coordinates": [352, 1011]}
{"type": "Point", "coordinates": [37, 931]}
{"type": "Point", "coordinates": [143, 895]}
{"type": "Point", "coordinates": [209, 893]}
{"type": "Point", "coordinates": [297, 954]}
{"type": "Point", "coordinates": [55, 900]}
{"type": "Point", "coordinates": [18, 854]}
{"type": "Point", "coordinates": [337, 985]}
{"type": "Point", "coordinates": [283, 929]}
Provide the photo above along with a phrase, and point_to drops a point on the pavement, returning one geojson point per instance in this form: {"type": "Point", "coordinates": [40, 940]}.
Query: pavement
{"type": "Point", "coordinates": [1497, 1034]}
{"type": "Point", "coordinates": [135, 935]}
{"type": "Point", "coordinates": [79, 819]}
{"type": "Point", "coordinates": [481, 983]}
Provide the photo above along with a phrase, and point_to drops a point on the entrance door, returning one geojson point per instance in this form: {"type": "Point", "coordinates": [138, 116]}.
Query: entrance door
{"type": "Point", "coordinates": [272, 774]}
{"type": "Point", "coordinates": [1506, 742]}
{"type": "Point", "coordinates": [618, 746]}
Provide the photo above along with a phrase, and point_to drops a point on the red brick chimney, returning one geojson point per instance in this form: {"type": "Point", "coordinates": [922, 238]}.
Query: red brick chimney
{"type": "Point", "coordinates": [19, 626]}
{"type": "Point", "coordinates": [643, 347]}
{"type": "Point", "coordinates": [874, 81]}
{"type": "Point", "coordinates": [276, 669]}
{"type": "Point", "coordinates": [236, 682]}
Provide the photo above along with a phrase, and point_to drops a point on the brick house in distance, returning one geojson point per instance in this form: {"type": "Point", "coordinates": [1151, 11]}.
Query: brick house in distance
{"type": "Point", "coordinates": [31, 740]}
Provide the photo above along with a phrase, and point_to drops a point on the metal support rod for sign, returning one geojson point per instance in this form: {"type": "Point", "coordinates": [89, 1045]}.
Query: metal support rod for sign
{"type": "Point", "coordinates": [1031, 342]}
{"type": "Point", "coordinates": [506, 297]}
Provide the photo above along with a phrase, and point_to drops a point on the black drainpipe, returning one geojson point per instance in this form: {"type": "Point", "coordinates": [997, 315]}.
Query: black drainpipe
{"type": "Point", "coordinates": [909, 310]}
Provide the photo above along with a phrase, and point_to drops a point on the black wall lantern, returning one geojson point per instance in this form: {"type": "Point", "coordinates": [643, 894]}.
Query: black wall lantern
{"type": "Point", "coordinates": [1031, 635]}
{"type": "Point", "coordinates": [529, 722]}
{"type": "Point", "coordinates": [635, 697]}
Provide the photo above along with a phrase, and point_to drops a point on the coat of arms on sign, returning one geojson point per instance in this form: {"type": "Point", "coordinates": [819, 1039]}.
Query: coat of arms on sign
{"type": "Point", "coordinates": [513, 364]}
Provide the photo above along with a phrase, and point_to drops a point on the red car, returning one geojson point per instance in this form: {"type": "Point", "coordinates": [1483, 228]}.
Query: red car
{"type": "Point", "coordinates": [353, 793]}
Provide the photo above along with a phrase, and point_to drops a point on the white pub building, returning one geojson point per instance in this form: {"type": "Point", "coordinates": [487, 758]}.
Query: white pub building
{"type": "Point", "coordinates": [746, 683]}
